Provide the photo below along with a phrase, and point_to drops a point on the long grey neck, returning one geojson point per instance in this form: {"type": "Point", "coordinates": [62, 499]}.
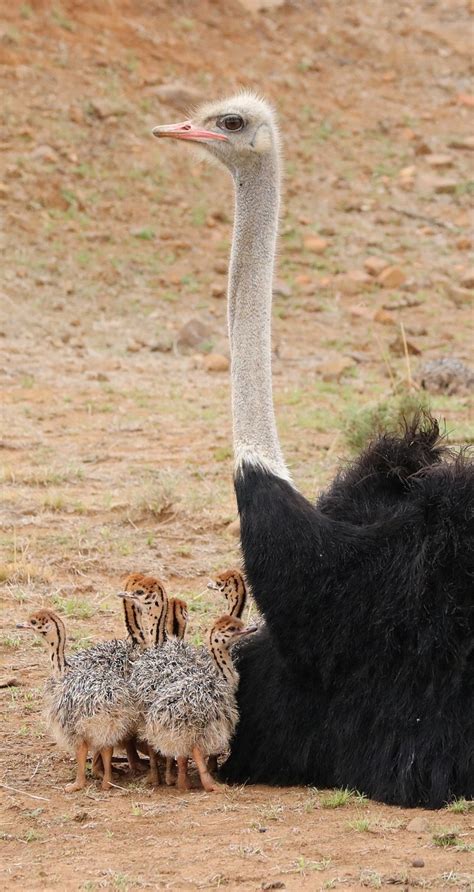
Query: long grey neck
{"type": "Point", "coordinates": [257, 189]}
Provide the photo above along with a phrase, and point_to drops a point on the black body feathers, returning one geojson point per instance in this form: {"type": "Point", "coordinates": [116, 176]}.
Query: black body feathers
{"type": "Point", "coordinates": [363, 675]}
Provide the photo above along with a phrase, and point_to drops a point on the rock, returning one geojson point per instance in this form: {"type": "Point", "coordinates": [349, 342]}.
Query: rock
{"type": "Point", "coordinates": [178, 95]}
{"type": "Point", "coordinates": [4, 190]}
{"type": "Point", "coordinates": [234, 528]}
{"type": "Point", "coordinates": [422, 147]}
{"type": "Point", "coordinates": [216, 362]}
{"type": "Point", "coordinates": [281, 289]}
{"type": "Point", "coordinates": [406, 177]}
{"type": "Point", "coordinates": [163, 344]}
{"type": "Point", "coordinates": [418, 825]}
{"type": "Point", "coordinates": [261, 6]}
{"type": "Point", "coordinates": [417, 862]}
{"type": "Point", "coordinates": [333, 369]}
{"type": "Point", "coordinates": [439, 162]}
{"type": "Point", "coordinates": [9, 681]}
{"type": "Point", "coordinates": [273, 884]}
{"type": "Point", "coordinates": [375, 265]}
{"type": "Point", "coordinates": [315, 244]}
{"type": "Point", "coordinates": [447, 375]}
{"type": "Point", "coordinates": [398, 347]}
{"type": "Point", "coordinates": [384, 317]}
{"type": "Point", "coordinates": [445, 187]}
{"type": "Point", "coordinates": [391, 277]}
{"type": "Point", "coordinates": [221, 266]}
{"type": "Point", "coordinates": [467, 280]}
{"type": "Point", "coordinates": [45, 153]}
{"type": "Point", "coordinates": [464, 244]}
{"type": "Point", "coordinates": [466, 99]}
{"type": "Point", "coordinates": [194, 334]}
{"type": "Point", "coordinates": [106, 108]}
{"type": "Point", "coordinates": [463, 143]}
{"type": "Point", "coordinates": [459, 296]}
{"type": "Point", "coordinates": [217, 290]}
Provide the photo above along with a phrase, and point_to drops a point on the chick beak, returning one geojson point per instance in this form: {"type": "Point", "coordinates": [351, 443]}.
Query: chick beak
{"type": "Point", "coordinates": [186, 130]}
{"type": "Point", "coordinates": [26, 626]}
{"type": "Point", "coordinates": [248, 630]}
{"type": "Point", "coordinates": [213, 585]}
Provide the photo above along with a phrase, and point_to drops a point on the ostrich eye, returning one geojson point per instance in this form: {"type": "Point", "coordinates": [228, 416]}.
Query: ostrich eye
{"type": "Point", "coordinates": [231, 122]}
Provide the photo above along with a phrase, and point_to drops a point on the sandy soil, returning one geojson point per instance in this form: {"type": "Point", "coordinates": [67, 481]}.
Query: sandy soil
{"type": "Point", "coordinates": [115, 441]}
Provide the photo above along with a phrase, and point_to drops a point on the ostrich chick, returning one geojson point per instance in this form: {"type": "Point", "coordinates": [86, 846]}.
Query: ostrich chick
{"type": "Point", "coordinates": [191, 708]}
{"type": "Point", "coordinates": [88, 704]}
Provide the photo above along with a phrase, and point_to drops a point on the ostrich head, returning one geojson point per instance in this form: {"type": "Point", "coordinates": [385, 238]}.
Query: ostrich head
{"type": "Point", "coordinates": [226, 630]}
{"type": "Point", "coordinates": [236, 130]}
{"type": "Point", "coordinates": [150, 594]}
{"type": "Point", "coordinates": [44, 623]}
{"type": "Point", "coordinates": [232, 585]}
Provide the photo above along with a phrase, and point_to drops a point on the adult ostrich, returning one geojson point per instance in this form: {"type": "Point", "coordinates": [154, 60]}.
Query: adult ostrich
{"type": "Point", "coordinates": [362, 675]}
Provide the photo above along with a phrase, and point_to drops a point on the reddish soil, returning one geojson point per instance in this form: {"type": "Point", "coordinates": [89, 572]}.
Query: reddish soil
{"type": "Point", "coordinates": [115, 442]}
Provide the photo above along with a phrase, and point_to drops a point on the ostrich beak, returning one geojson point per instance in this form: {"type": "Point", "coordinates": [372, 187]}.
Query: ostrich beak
{"type": "Point", "coordinates": [248, 630]}
{"type": "Point", "coordinates": [125, 595]}
{"type": "Point", "coordinates": [213, 585]}
{"type": "Point", "coordinates": [23, 626]}
{"type": "Point", "coordinates": [186, 130]}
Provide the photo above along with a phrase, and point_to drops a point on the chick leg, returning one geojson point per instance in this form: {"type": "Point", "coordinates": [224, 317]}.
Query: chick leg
{"type": "Point", "coordinates": [81, 757]}
{"type": "Point", "coordinates": [97, 765]}
{"type": "Point", "coordinates": [208, 782]}
{"type": "Point", "coordinates": [170, 776]}
{"type": "Point", "coordinates": [134, 761]}
{"type": "Point", "coordinates": [154, 776]}
{"type": "Point", "coordinates": [183, 780]}
{"type": "Point", "coordinates": [107, 754]}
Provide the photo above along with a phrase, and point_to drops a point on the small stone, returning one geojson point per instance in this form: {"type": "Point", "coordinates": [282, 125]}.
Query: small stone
{"type": "Point", "coordinates": [9, 681]}
{"type": "Point", "coordinates": [334, 369]}
{"type": "Point", "coordinates": [464, 244]}
{"type": "Point", "coordinates": [417, 862]}
{"type": "Point", "coordinates": [81, 816]}
{"type": "Point", "coordinates": [163, 344]}
{"type": "Point", "coordinates": [106, 108]}
{"type": "Point", "coordinates": [217, 290]}
{"type": "Point", "coordinates": [463, 143]}
{"type": "Point", "coordinates": [440, 161]}
{"type": "Point", "coordinates": [273, 884]}
{"type": "Point", "coordinates": [375, 265]}
{"type": "Point", "coordinates": [133, 347]}
{"type": "Point", "coordinates": [221, 266]}
{"type": "Point", "coordinates": [398, 347]}
{"type": "Point", "coordinates": [234, 528]}
{"type": "Point", "coordinates": [178, 95]}
{"type": "Point", "coordinates": [4, 190]}
{"type": "Point", "coordinates": [445, 187]}
{"type": "Point", "coordinates": [459, 296]}
{"type": "Point", "coordinates": [315, 244]}
{"type": "Point", "coordinates": [45, 153]}
{"type": "Point", "coordinates": [467, 280]}
{"type": "Point", "coordinates": [418, 825]}
{"type": "Point", "coordinates": [384, 318]}
{"type": "Point", "coordinates": [447, 375]}
{"type": "Point", "coordinates": [281, 289]}
{"type": "Point", "coordinates": [194, 334]}
{"type": "Point", "coordinates": [466, 99]}
{"type": "Point", "coordinates": [216, 362]}
{"type": "Point", "coordinates": [422, 147]}
{"type": "Point", "coordinates": [391, 277]}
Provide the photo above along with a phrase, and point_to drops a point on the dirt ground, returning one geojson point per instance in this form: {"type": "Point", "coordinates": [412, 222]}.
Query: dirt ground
{"type": "Point", "coordinates": [115, 441]}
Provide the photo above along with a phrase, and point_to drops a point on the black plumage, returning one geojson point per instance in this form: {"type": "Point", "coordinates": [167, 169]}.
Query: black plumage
{"type": "Point", "coordinates": [363, 675]}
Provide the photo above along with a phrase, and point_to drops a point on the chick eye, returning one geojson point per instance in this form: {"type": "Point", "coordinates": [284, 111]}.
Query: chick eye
{"type": "Point", "coordinates": [231, 122]}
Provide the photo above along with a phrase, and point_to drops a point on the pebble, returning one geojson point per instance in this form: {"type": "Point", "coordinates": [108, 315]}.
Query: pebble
{"type": "Point", "coordinates": [234, 528]}
{"type": "Point", "coordinates": [417, 862]}
{"type": "Point", "coordinates": [460, 143]}
{"type": "Point", "coordinates": [106, 108]}
{"type": "Point", "coordinates": [217, 290]}
{"type": "Point", "coordinates": [440, 161]}
{"type": "Point", "coordinates": [193, 334]}
{"type": "Point", "coordinates": [333, 369]}
{"type": "Point", "coordinates": [445, 187]}
{"type": "Point", "coordinates": [375, 265]}
{"type": "Point", "coordinates": [216, 362]}
{"type": "Point", "coordinates": [221, 266]}
{"type": "Point", "coordinates": [273, 884]}
{"type": "Point", "coordinates": [178, 95]}
{"type": "Point", "coordinates": [384, 317]}
{"type": "Point", "coordinates": [163, 344]}
{"type": "Point", "coordinates": [467, 280]}
{"type": "Point", "coordinates": [418, 825]}
{"type": "Point", "coordinates": [397, 346]}
{"type": "Point", "coordinates": [315, 244]}
{"type": "Point", "coordinates": [459, 296]}
{"type": "Point", "coordinates": [391, 277]}
{"type": "Point", "coordinates": [45, 153]}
